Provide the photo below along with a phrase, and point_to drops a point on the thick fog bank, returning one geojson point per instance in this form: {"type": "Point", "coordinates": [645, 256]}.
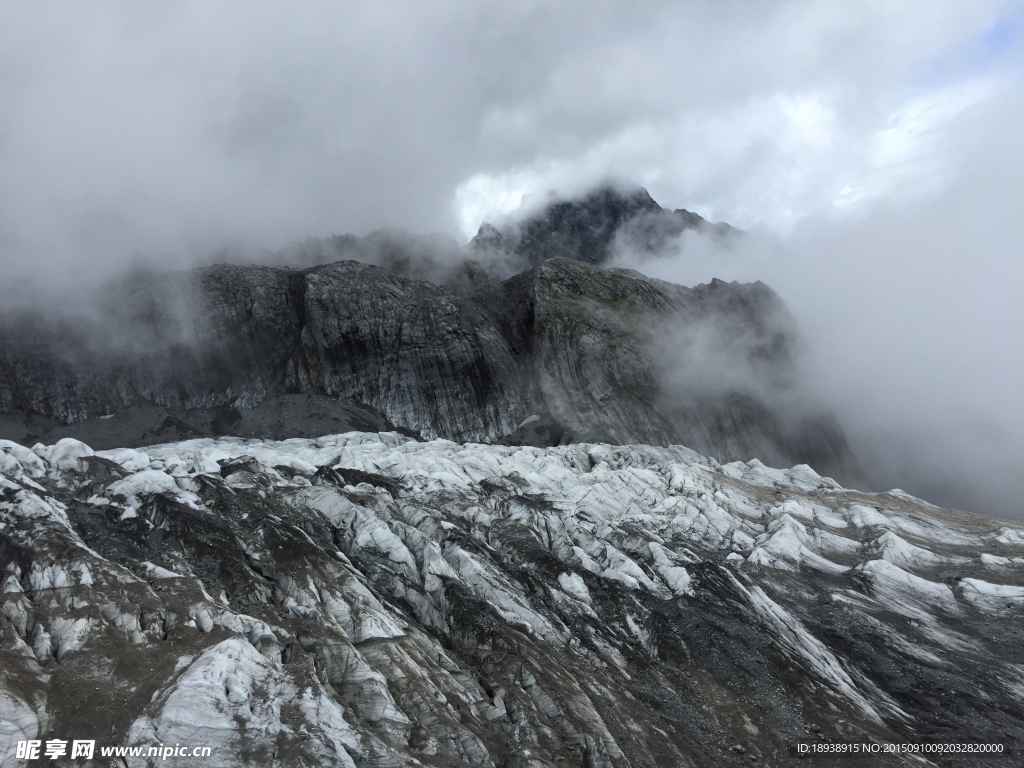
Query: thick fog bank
{"type": "Point", "coordinates": [911, 322]}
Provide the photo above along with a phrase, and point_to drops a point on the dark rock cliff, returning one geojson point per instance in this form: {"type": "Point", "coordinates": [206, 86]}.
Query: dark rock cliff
{"type": "Point", "coordinates": [576, 350]}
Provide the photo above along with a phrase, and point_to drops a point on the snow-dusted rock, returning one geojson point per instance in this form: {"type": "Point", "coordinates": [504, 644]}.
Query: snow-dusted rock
{"type": "Point", "coordinates": [368, 599]}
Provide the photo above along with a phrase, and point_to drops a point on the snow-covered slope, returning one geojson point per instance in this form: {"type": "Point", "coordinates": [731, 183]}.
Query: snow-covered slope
{"type": "Point", "coordinates": [370, 600]}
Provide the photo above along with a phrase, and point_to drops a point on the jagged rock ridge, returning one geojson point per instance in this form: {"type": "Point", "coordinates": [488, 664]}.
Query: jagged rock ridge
{"type": "Point", "coordinates": [587, 229]}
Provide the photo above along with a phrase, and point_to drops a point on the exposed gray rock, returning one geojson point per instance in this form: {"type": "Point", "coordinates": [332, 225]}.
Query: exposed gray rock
{"type": "Point", "coordinates": [604, 358]}
{"type": "Point", "coordinates": [276, 416]}
{"type": "Point", "coordinates": [430, 360]}
{"type": "Point", "coordinates": [605, 354]}
{"type": "Point", "coordinates": [587, 229]}
{"type": "Point", "coordinates": [224, 334]}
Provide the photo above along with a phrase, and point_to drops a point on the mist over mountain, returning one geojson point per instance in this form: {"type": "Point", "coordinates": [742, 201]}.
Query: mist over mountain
{"type": "Point", "coordinates": [521, 385]}
{"type": "Point", "coordinates": [388, 500]}
{"type": "Point", "coordinates": [587, 228]}
{"type": "Point", "coordinates": [563, 350]}
{"type": "Point", "coordinates": [165, 341]}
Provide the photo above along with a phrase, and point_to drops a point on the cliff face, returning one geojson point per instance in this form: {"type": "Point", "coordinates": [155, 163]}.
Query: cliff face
{"type": "Point", "coordinates": [195, 339]}
{"type": "Point", "coordinates": [565, 350]}
{"type": "Point", "coordinates": [586, 351]}
{"type": "Point", "coordinates": [428, 358]}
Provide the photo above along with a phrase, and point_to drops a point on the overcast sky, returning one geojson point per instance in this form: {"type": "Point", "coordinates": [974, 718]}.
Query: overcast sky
{"type": "Point", "coordinates": [874, 149]}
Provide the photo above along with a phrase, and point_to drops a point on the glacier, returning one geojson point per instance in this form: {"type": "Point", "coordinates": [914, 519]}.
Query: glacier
{"type": "Point", "coordinates": [370, 599]}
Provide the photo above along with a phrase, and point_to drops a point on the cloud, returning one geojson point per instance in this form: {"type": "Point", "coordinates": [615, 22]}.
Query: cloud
{"type": "Point", "coordinates": [909, 307]}
{"type": "Point", "coordinates": [165, 130]}
{"type": "Point", "coordinates": [754, 115]}
{"type": "Point", "coordinates": [878, 141]}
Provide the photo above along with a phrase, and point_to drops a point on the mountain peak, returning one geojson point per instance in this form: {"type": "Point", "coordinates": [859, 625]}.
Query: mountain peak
{"type": "Point", "coordinates": [613, 199]}
{"type": "Point", "coordinates": [585, 228]}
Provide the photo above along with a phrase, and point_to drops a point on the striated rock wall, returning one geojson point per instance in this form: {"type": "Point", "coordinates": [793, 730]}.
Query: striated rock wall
{"type": "Point", "coordinates": [190, 340]}
{"type": "Point", "coordinates": [586, 352]}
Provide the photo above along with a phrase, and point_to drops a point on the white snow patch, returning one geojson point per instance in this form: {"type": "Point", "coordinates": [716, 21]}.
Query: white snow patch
{"type": "Point", "coordinates": [573, 584]}
{"type": "Point", "coordinates": [902, 553]}
{"type": "Point", "coordinates": [129, 458]}
{"type": "Point", "coordinates": [67, 453]}
{"type": "Point", "coordinates": [904, 592]}
{"type": "Point", "coordinates": [986, 595]}
{"type": "Point", "coordinates": [994, 561]}
{"type": "Point", "coordinates": [148, 481]}
{"type": "Point", "coordinates": [28, 461]}
{"type": "Point", "coordinates": [156, 572]}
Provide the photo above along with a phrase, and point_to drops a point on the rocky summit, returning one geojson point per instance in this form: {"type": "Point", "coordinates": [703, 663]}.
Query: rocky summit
{"type": "Point", "coordinates": [589, 228]}
{"type": "Point", "coordinates": [369, 599]}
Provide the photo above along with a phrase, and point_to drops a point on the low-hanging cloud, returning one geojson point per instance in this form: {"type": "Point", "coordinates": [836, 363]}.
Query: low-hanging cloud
{"type": "Point", "coordinates": [878, 142]}
{"type": "Point", "coordinates": [911, 316]}
{"type": "Point", "coordinates": [158, 133]}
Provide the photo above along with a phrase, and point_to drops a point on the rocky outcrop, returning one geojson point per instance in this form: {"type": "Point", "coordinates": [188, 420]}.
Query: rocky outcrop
{"type": "Point", "coordinates": [588, 229]}
{"type": "Point", "coordinates": [601, 354]}
{"type": "Point", "coordinates": [372, 600]}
